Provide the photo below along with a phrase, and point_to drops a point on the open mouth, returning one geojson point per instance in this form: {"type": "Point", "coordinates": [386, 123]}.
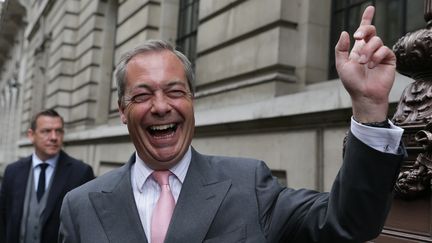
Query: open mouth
{"type": "Point", "coordinates": [162, 131]}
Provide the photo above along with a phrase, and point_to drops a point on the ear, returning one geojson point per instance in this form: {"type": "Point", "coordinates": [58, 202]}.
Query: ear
{"type": "Point", "coordinates": [121, 111]}
{"type": "Point", "coordinates": [30, 135]}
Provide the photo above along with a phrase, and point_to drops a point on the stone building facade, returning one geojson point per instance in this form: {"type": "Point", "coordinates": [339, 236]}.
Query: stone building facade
{"type": "Point", "coordinates": [263, 83]}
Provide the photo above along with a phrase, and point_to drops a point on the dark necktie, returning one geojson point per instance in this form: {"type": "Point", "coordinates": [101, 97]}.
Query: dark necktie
{"type": "Point", "coordinates": [41, 184]}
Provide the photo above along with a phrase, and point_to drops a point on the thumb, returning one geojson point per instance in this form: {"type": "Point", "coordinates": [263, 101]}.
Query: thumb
{"type": "Point", "coordinates": [342, 49]}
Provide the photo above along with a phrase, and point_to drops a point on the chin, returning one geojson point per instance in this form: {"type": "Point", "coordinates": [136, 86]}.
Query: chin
{"type": "Point", "coordinates": [166, 160]}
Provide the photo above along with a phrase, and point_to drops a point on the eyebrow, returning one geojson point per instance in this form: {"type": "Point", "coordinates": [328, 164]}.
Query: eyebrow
{"type": "Point", "coordinates": [174, 83]}
{"type": "Point", "coordinates": [142, 85]}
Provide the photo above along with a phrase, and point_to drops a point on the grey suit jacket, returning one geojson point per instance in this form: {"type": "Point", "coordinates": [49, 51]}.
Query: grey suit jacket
{"type": "Point", "coordinates": [227, 199]}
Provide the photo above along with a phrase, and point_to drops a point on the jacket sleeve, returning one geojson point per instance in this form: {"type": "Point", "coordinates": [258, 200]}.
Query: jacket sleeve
{"type": "Point", "coordinates": [354, 211]}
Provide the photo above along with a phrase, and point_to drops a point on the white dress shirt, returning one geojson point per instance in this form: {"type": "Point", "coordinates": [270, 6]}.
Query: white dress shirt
{"type": "Point", "coordinates": [385, 140]}
{"type": "Point", "coordinates": [146, 190]}
{"type": "Point", "coordinates": [49, 171]}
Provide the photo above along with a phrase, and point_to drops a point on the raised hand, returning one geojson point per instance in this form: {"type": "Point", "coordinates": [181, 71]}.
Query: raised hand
{"type": "Point", "coordinates": [367, 72]}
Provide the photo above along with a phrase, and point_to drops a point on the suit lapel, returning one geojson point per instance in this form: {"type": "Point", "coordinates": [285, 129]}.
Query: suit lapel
{"type": "Point", "coordinates": [58, 184]}
{"type": "Point", "coordinates": [117, 211]}
{"type": "Point", "coordinates": [199, 200]}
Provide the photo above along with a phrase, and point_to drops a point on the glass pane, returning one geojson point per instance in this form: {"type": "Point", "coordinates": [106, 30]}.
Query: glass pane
{"type": "Point", "coordinates": [358, 1]}
{"type": "Point", "coordinates": [339, 22]}
{"type": "Point", "coordinates": [394, 20]}
{"type": "Point", "coordinates": [338, 26]}
{"type": "Point", "coordinates": [180, 25]}
{"type": "Point", "coordinates": [338, 4]}
{"type": "Point", "coordinates": [188, 20]}
{"type": "Point", "coordinates": [388, 18]}
{"type": "Point", "coordinates": [193, 47]}
{"type": "Point", "coordinates": [187, 28]}
{"type": "Point", "coordinates": [346, 16]}
{"type": "Point", "coordinates": [196, 14]}
{"type": "Point", "coordinates": [354, 17]}
{"type": "Point", "coordinates": [414, 15]}
{"type": "Point", "coordinates": [183, 5]}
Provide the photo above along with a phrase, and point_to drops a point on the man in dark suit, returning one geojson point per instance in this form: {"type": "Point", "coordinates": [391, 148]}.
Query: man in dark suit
{"type": "Point", "coordinates": [33, 188]}
{"type": "Point", "coordinates": [168, 192]}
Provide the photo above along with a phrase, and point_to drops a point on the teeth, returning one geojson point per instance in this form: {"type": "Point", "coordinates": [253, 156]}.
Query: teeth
{"type": "Point", "coordinates": [162, 127]}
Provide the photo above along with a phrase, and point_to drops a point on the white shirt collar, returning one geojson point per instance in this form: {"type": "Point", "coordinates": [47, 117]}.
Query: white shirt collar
{"type": "Point", "coordinates": [142, 171]}
{"type": "Point", "coordinates": [51, 161]}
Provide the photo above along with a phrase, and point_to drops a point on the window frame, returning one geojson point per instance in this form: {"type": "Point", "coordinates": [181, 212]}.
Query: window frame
{"type": "Point", "coordinates": [187, 29]}
{"type": "Point", "coordinates": [346, 6]}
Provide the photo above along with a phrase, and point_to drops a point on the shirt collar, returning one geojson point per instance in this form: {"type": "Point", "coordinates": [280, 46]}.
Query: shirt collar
{"type": "Point", "coordinates": [142, 171]}
{"type": "Point", "coordinates": [52, 162]}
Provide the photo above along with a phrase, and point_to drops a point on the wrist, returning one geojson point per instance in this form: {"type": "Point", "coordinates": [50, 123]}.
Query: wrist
{"type": "Point", "coordinates": [382, 124]}
{"type": "Point", "coordinates": [369, 111]}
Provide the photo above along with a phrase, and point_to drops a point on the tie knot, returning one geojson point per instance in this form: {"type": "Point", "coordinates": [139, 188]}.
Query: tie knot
{"type": "Point", "coordinates": [161, 176]}
{"type": "Point", "coordinates": [43, 166]}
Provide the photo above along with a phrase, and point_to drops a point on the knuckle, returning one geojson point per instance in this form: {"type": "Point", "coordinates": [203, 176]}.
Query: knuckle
{"type": "Point", "coordinates": [378, 40]}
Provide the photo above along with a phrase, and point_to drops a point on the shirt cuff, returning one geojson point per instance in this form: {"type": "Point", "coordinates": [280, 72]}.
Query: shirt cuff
{"type": "Point", "coordinates": [386, 140]}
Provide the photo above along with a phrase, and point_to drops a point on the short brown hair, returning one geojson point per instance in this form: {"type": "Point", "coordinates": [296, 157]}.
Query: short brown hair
{"type": "Point", "coordinates": [48, 112]}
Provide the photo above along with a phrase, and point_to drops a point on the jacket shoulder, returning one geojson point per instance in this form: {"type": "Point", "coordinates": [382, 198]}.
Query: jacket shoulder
{"type": "Point", "coordinates": [102, 182]}
{"type": "Point", "coordinates": [227, 161]}
{"type": "Point", "coordinates": [26, 161]}
{"type": "Point", "coordinates": [69, 159]}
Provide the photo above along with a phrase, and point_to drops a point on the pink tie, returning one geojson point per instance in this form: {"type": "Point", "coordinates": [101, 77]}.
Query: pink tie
{"type": "Point", "coordinates": [164, 208]}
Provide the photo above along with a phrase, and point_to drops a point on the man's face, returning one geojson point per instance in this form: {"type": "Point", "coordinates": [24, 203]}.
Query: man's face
{"type": "Point", "coordinates": [47, 138]}
{"type": "Point", "coordinates": [158, 108]}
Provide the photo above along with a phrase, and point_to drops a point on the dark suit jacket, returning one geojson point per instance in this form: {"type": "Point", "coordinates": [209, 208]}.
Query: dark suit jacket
{"type": "Point", "coordinates": [69, 173]}
{"type": "Point", "coordinates": [237, 200]}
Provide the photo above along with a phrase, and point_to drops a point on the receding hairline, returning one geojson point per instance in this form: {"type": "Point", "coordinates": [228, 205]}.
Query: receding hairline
{"type": "Point", "coordinates": [135, 57]}
{"type": "Point", "coordinates": [150, 46]}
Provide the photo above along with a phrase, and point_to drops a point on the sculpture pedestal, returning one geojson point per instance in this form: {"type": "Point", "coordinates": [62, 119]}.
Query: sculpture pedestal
{"type": "Point", "coordinates": [408, 221]}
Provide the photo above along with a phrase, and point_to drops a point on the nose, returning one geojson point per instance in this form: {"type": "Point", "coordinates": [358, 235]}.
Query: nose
{"type": "Point", "coordinates": [53, 135]}
{"type": "Point", "coordinates": [160, 104]}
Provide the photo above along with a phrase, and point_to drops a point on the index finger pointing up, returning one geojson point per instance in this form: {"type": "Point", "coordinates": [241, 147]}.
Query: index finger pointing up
{"type": "Point", "coordinates": [367, 16]}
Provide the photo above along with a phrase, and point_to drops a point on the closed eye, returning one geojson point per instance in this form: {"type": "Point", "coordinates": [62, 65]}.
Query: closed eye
{"type": "Point", "coordinates": [139, 98]}
{"type": "Point", "coordinates": [176, 93]}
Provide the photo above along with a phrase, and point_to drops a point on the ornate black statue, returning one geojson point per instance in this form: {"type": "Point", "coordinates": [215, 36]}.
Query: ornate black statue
{"type": "Point", "coordinates": [414, 111]}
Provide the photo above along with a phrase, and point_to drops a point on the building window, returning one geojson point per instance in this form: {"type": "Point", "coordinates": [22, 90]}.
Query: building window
{"type": "Point", "coordinates": [393, 19]}
{"type": "Point", "coordinates": [187, 28]}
